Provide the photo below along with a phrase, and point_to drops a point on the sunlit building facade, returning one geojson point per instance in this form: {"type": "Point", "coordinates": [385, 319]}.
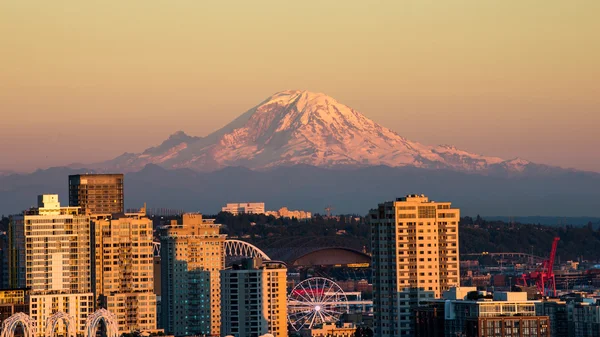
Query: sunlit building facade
{"type": "Point", "coordinates": [414, 242]}
{"type": "Point", "coordinates": [245, 207]}
{"type": "Point", "coordinates": [97, 193]}
{"type": "Point", "coordinates": [50, 255]}
{"type": "Point", "coordinates": [123, 275]}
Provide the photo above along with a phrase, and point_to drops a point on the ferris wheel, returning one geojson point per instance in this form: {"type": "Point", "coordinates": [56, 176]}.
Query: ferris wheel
{"type": "Point", "coordinates": [314, 301]}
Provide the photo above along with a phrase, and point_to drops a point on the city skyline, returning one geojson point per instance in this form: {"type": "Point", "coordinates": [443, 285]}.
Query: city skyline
{"type": "Point", "coordinates": [497, 79]}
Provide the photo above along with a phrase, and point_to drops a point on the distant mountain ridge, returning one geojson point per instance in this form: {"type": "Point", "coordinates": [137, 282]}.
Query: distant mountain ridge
{"type": "Point", "coordinates": [300, 127]}
{"type": "Point", "coordinates": [305, 187]}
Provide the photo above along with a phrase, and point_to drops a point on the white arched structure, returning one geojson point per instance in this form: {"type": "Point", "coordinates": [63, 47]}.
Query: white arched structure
{"type": "Point", "coordinates": [238, 248]}
{"type": "Point", "coordinates": [69, 321]}
{"type": "Point", "coordinates": [110, 321]}
{"type": "Point", "coordinates": [10, 324]}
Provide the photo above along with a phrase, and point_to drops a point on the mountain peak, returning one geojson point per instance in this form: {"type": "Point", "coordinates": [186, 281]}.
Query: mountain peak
{"type": "Point", "coordinates": [301, 127]}
{"type": "Point", "coordinates": [178, 135]}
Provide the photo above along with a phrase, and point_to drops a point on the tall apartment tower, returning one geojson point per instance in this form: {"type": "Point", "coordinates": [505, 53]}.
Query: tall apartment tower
{"type": "Point", "coordinates": [123, 275]}
{"type": "Point", "coordinates": [50, 255]}
{"type": "Point", "coordinates": [414, 243]}
{"type": "Point", "coordinates": [97, 193]}
{"type": "Point", "coordinates": [253, 299]}
{"type": "Point", "coordinates": [192, 256]}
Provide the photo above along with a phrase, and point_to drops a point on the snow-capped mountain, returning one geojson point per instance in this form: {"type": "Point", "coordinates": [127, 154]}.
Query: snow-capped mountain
{"type": "Point", "coordinates": [300, 127]}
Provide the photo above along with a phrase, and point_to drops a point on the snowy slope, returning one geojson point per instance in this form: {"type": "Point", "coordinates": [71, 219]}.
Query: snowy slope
{"type": "Point", "coordinates": [300, 127]}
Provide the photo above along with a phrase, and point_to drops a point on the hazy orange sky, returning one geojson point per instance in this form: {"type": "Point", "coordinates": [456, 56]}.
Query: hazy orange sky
{"type": "Point", "coordinates": [84, 81]}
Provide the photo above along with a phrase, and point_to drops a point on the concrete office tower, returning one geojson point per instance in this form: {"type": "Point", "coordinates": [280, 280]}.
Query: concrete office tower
{"type": "Point", "coordinates": [124, 277]}
{"type": "Point", "coordinates": [414, 243]}
{"type": "Point", "coordinates": [54, 242]}
{"type": "Point", "coordinates": [192, 256]}
{"type": "Point", "coordinates": [254, 299]}
{"type": "Point", "coordinates": [97, 193]}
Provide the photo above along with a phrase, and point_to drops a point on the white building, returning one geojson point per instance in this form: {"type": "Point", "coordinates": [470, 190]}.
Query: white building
{"type": "Point", "coordinates": [245, 207]}
{"type": "Point", "coordinates": [52, 258]}
{"type": "Point", "coordinates": [254, 299]}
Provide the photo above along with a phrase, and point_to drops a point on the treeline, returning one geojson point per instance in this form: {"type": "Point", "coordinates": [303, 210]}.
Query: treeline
{"type": "Point", "coordinates": [476, 234]}
{"type": "Point", "coordinates": [262, 226]}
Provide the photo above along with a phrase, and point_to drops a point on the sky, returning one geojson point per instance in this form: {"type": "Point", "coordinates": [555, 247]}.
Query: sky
{"type": "Point", "coordinates": [84, 81]}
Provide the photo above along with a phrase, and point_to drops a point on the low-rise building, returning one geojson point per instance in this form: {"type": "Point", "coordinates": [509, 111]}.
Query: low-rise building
{"type": "Point", "coordinates": [13, 301]}
{"type": "Point", "coordinates": [478, 314]}
{"type": "Point", "coordinates": [245, 207]}
{"type": "Point", "coordinates": [284, 212]}
{"type": "Point", "coordinates": [330, 330]}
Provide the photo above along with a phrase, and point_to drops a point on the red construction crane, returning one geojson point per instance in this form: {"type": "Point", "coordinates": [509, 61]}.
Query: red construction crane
{"type": "Point", "coordinates": [544, 275]}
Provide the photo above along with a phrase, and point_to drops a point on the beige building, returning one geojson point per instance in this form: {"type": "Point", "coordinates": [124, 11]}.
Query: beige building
{"type": "Point", "coordinates": [192, 256]}
{"type": "Point", "coordinates": [414, 242]}
{"type": "Point", "coordinates": [97, 193]}
{"type": "Point", "coordinates": [13, 301]}
{"type": "Point", "coordinates": [123, 276]}
{"type": "Point", "coordinates": [284, 212]}
{"type": "Point", "coordinates": [245, 207]}
{"type": "Point", "coordinates": [330, 330]}
{"type": "Point", "coordinates": [50, 255]}
{"type": "Point", "coordinates": [254, 299]}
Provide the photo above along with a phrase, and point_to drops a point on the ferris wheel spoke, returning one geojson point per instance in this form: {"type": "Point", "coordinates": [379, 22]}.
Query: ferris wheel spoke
{"type": "Point", "coordinates": [328, 290]}
{"type": "Point", "coordinates": [298, 324]}
{"type": "Point", "coordinates": [319, 293]}
{"type": "Point", "coordinates": [314, 288]}
{"type": "Point", "coordinates": [298, 313]}
{"type": "Point", "coordinates": [328, 313]}
{"type": "Point", "coordinates": [333, 314]}
{"type": "Point", "coordinates": [311, 296]}
{"type": "Point", "coordinates": [315, 300]}
{"type": "Point", "coordinates": [332, 311]}
{"type": "Point", "coordinates": [331, 296]}
{"type": "Point", "coordinates": [312, 321]}
{"type": "Point", "coordinates": [308, 301]}
{"type": "Point", "coordinates": [304, 316]}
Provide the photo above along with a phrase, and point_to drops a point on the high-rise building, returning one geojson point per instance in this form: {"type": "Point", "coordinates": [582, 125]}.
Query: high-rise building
{"type": "Point", "coordinates": [97, 193]}
{"type": "Point", "coordinates": [245, 207]}
{"type": "Point", "coordinates": [414, 242]}
{"type": "Point", "coordinates": [253, 299]}
{"type": "Point", "coordinates": [50, 255]}
{"type": "Point", "coordinates": [192, 256]}
{"type": "Point", "coordinates": [123, 274]}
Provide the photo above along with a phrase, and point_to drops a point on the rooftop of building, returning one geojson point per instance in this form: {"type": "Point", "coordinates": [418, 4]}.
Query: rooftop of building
{"type": "Point", "coordinates": [49, 205]}
{"type": "Point", "coordinates": [89, 175]}
{"type": "Point", "coordinates": [257, 263]}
